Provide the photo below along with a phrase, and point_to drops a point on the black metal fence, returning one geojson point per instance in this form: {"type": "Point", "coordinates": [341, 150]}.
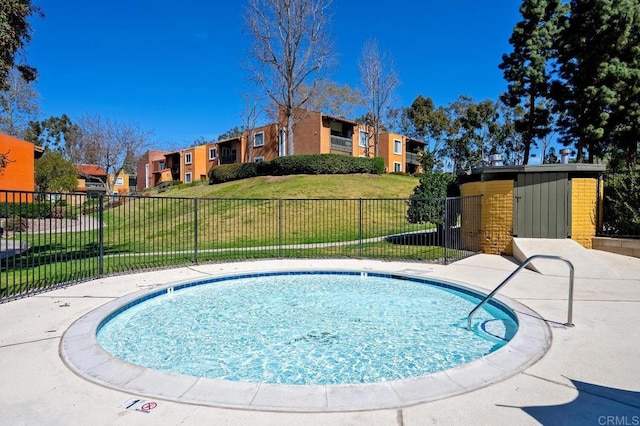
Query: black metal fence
{"type": "Point", "coordinates": [619, 208]}
{"type": "Point", "coordinates": [51, 240]}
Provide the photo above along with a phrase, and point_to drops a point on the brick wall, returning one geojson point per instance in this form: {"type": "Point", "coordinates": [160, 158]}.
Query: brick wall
{"type": "Point", "coordinates": [496, 223]}
{"type": "Point", "coordinates": [584, 210]}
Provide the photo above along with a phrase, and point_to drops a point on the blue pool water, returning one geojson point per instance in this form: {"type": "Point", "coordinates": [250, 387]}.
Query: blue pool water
{"type": "Point", "coordinates": [307, 329]}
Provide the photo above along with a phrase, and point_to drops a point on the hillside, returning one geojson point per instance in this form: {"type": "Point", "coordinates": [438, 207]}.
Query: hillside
{"type": "Point", "coordinates": [304, 186]}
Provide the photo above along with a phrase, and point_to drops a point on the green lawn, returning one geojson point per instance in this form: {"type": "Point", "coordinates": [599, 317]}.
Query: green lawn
{"type": "Point", "coordinates": [264, 217]}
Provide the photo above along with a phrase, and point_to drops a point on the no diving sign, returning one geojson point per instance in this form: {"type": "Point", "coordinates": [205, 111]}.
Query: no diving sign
{"type": "Point", "coordinates": [140, 405]}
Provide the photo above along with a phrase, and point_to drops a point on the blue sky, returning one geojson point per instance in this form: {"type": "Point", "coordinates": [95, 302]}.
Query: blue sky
{"type": "Point", "coordinates": [176, 68]}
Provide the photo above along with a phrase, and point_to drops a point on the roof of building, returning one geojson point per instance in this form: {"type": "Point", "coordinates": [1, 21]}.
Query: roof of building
{"type": "Point", "coordinates": [90, 170]}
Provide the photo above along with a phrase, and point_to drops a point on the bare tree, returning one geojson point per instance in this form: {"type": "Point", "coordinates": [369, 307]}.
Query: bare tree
{"type": "Point", "coordinates": [290, 48]}
{"type": "Point", "coordinates": [110, 145]}
{"type": "Point", "coordinates": [249, 117]}
{"type": "Point", "coordinates": [379, 80]}
{"type": "Point", "coordinates": [19, 105]}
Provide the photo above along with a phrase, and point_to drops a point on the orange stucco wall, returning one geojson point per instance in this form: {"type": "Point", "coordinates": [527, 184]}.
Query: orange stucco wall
{"type": "Point", "coordinates": [198, 165]}
{"type": "Point", "coordinates": [19, 175]}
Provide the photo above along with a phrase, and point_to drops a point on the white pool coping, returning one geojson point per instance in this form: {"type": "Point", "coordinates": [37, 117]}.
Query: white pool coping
{"type": "Point", "coordinates": [82, 354]}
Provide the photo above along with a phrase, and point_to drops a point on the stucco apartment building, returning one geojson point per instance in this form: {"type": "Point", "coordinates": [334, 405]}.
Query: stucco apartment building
{"type": "Point", "coordinates": [19, 172]}
{"type": "Point", "coordinates": [315, 133]}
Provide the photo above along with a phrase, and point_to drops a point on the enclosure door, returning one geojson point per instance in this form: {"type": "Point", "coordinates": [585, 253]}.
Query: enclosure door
{"type": "Point", "coordinates": [542, 205]}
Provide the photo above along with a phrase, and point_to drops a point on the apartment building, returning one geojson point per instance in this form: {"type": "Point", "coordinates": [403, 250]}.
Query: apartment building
{"type": "Point", "coordinates": [400, 152]}
{"type": "Point", "coordinates": [92, 180]}
{"type": "Point", "coordinates": [149, 169]}
{"type": "Point", "coordinates": [315, 133]}
{"type": "Point", "coordinates": [19, 171]}
{"type": "Point", "coordinates": [193, 164]}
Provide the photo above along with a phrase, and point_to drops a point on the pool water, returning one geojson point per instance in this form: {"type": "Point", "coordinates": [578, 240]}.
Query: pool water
{"type": "Point", "coordinates": [306, 329]}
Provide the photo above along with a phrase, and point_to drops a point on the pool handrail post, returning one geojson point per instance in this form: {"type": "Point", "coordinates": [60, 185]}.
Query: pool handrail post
{"type": "Point", "coordinates": [526, 262]}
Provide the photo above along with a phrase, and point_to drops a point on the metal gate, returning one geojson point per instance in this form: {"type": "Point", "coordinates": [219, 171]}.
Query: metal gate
{"type": "Point", "coordinates": [542, 205]}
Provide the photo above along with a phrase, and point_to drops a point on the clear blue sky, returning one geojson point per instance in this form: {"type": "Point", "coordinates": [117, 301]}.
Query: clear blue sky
{"type": "Point", "coordinates": [176, 67]}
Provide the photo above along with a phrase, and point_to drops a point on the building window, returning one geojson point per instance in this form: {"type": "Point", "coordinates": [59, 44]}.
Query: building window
{"type": "Point", "coordinates": [187, 158]}
{"type": "Point", "coordinates": [258, 159]}
{"type": "Point", "coordinates": [187, 178]}
{"type": "Point", "coordinates": [258, 139]}
{"type": "Point", "coordinates": [120, 181]}
{"type": "Point", "coordinates": [213, 153]}
{"type": "Point", "coordinates": [397, 167]}
{"type": "Point", "coordinates": [363, 139]}
{"type": "Point", "coordinates": [397, 146]}
{"type": "Point", "coordinates": [163, 166]}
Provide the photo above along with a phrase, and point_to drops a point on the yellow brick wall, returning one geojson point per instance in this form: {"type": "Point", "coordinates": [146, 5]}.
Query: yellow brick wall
{"type": "Point", "coordinates": [471, 224]}
{"type": "Point", "coordinates": [584, 207]}
{"type": "Point", "coordinates": [496, 223]}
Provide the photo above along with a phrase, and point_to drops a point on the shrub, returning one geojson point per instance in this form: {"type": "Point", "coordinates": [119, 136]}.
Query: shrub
{"type": "Point", "coordinates": [28, 210]}
{"type": "Point", "coordinates": [622, 204]}
{"type": "Point", "coordinates": [427, 203]}
{"type": "Point", "coordinates": [313, 164]}
{"type": "Point", "coordinates": [57, 213]}
{"type": "Point", "coordinates": [16, 224]}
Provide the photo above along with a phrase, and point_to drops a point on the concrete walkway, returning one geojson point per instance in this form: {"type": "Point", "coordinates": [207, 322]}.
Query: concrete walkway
{"type": "Point", "coordinates": [590, 375]}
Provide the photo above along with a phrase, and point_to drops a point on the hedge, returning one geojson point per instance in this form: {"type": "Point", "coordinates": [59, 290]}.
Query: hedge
{"type": "Point", "coordinates": [29, 210]}
{"type": "Point", "coordinates": [312, 164]}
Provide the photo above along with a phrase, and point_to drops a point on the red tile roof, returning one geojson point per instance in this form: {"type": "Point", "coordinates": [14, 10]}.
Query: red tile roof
{"type": "Point", "coordinates": [90, 170]}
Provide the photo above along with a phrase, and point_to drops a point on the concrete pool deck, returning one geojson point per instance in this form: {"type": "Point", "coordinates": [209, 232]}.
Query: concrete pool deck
{"type": "Point", "coordinates": [590, 375]}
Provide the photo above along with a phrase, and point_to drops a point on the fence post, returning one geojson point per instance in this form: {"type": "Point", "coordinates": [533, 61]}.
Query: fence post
{"type": "Point", "coordinates": [195, 230]}
{"type": "Point", "coordinates": [359, 227]}
{"type": "Point", "coordinates": [446, 228]}
{"type": "Point", "coordinates": [101, 234]}
{"type": "Point", "coordinates": [279, 227]}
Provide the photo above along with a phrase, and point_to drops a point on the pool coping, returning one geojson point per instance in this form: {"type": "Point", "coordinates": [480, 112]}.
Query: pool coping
{"type": "Point", "coordinates": [84, 356]}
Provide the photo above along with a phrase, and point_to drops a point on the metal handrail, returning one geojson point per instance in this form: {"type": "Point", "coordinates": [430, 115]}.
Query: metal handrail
{"type": "Point", "coordinates": [523, 265]}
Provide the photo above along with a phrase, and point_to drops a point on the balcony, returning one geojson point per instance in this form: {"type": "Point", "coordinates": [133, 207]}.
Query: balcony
{"type": "Point", "coordinates": [338, 143]}
{"type": "Point", "coordinates": [412, 158]}
{"type": "Point", "coordinates": [228, 159]}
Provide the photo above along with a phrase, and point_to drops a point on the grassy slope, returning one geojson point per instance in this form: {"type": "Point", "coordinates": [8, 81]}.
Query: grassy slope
{"type": "Point", "coordinates": [305, 186]}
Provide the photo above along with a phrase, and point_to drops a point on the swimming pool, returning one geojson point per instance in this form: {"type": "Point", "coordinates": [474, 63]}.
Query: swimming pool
{"type": "Point", "coordinates": [306, 328]}
{"type": "Point", "coordinates": [81, 351]}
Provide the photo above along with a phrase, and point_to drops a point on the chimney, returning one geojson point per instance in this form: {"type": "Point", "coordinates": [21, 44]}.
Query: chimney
{"type": "Point", "coordinates": [564, 155]}
{"type": "Point", "coordinates": [495, 160]}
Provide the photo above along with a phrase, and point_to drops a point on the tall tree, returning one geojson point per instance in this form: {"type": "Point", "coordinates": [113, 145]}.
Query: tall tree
{"type": "Point", "coordinates": [54, 134]}
{"type": "Point", "coordinates": [15, 33]}
{"type": "Point", "coordinates": [234, 132]}
{"type": "Point", "coordinates": [474, 132]}
{"type": "Point", "coordinates": [18, 105]}
{"type": "Point", "coordinates": [290, 48]}
{"type": "Point", "coordinates": [379, 80]}
{"type": "Point", "coordinates": [598, 87]}
{"type": "Point", "coordinates": [528, 68]}
{"type": "Point", "coordinates": [110, 145]}
{"type": "Point", "coordinates": [334, 99]}
{"type": "Point", "coordinates": [426, 122]}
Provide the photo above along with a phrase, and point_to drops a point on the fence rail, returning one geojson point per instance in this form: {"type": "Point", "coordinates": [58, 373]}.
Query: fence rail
{"type": "Point", "coordinates": [56, 239]}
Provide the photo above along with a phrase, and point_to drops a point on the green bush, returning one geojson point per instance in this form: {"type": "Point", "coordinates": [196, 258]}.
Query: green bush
{"type": "Point", "coordinates": [16, 224]}
{"type": "Point", "coordinates": [622, 204]}
{"type": "Point", "coordinates": [313, 164]}
{"type": "Point", "coordinates": [427, 203]}
{"type": "Point", "coordinates": [28, 210]}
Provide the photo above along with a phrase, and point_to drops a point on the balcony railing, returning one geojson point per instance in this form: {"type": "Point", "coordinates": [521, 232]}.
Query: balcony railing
{"type": "Point", "coordinates": [338, 143]}
{"type": "Point", "coordinates": [412, 158]}
{"type": "Point", "coordinates": [228, 159]}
